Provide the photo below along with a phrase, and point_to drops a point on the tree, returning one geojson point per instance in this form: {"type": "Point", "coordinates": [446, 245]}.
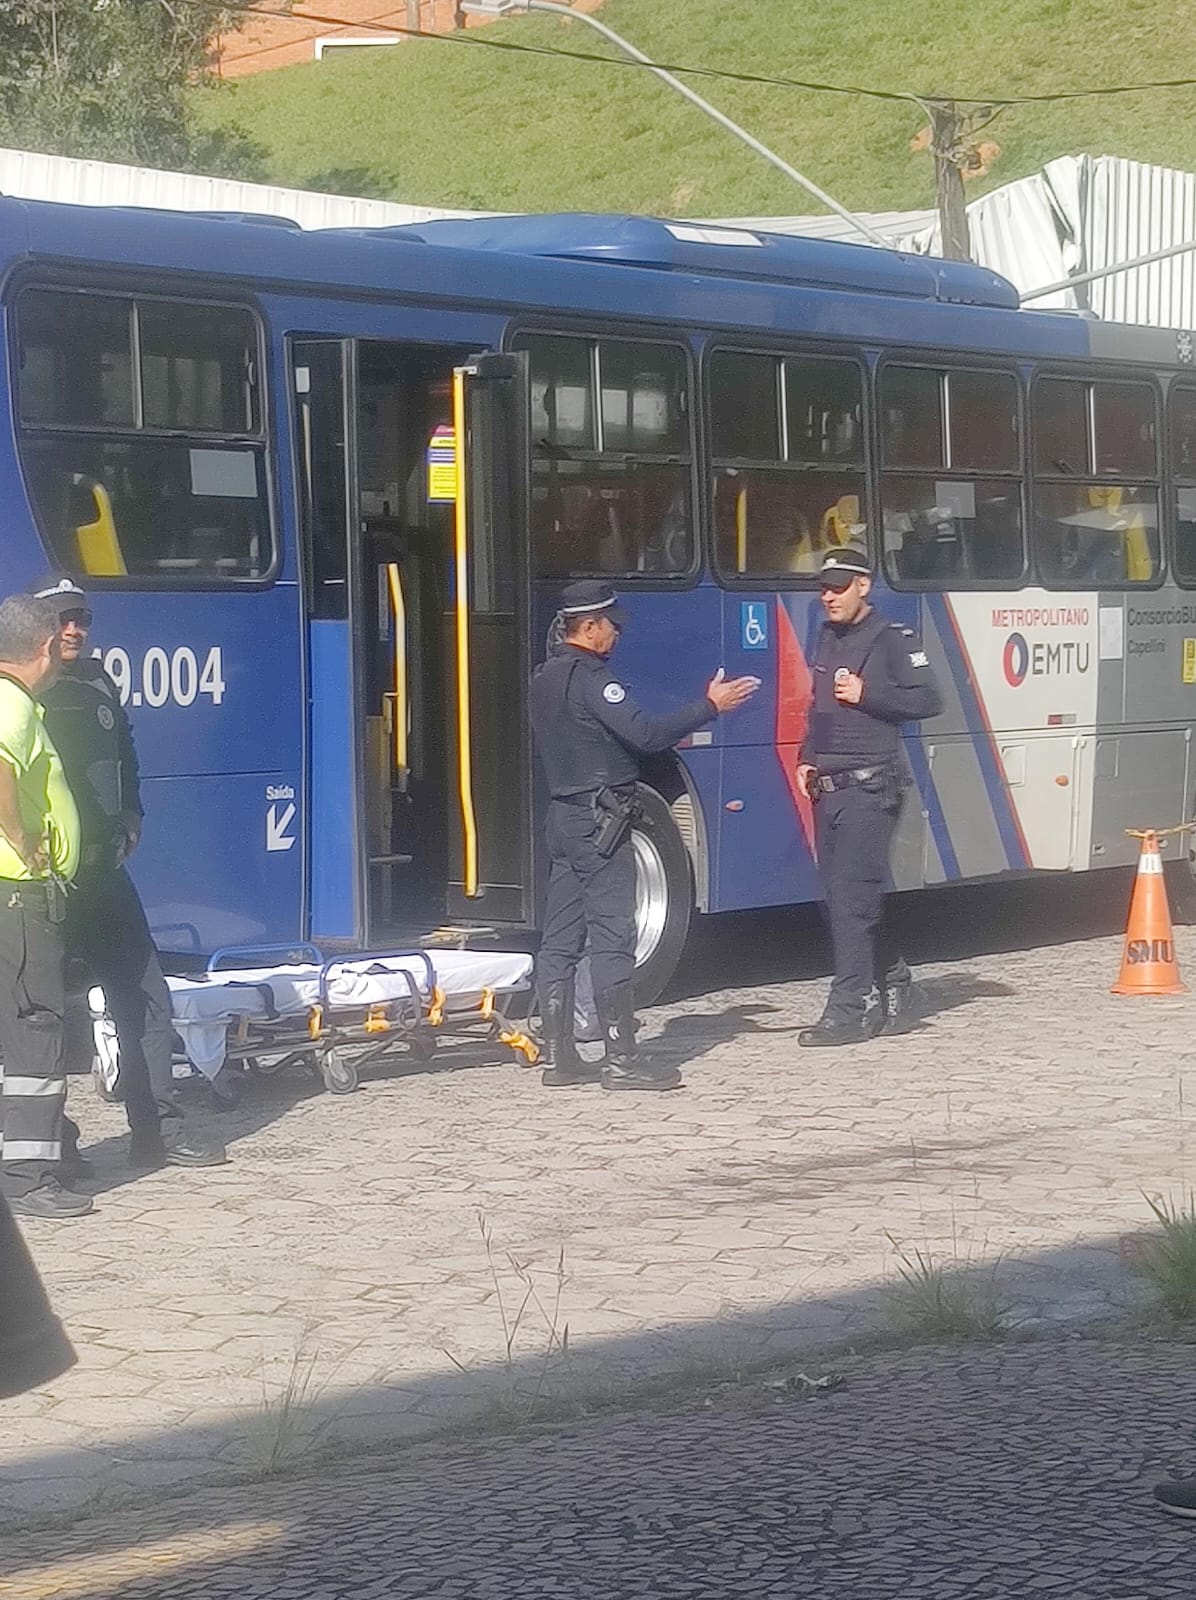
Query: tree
{"type": "Point", "coordinates": [109, 79]}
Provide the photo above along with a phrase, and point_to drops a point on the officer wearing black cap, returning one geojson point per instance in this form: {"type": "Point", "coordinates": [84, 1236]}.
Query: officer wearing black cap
{"type": "Point", "coordinates": [870, 676]}
{"type": "Point", "coordinates": [590, 735]}
{"type": "Point", "coordinates": [106, 926]}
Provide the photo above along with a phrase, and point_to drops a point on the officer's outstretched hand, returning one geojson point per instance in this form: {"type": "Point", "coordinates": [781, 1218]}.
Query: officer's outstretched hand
{"type": "Point", "coordinates": [728, 694]}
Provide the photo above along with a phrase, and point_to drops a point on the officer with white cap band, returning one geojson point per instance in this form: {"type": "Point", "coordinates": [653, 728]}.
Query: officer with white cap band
{"type": "Point", "coordinates": [590, 735]}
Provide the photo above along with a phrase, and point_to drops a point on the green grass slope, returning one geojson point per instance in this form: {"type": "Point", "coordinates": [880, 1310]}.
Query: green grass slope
{"type": "Point", "coordinates": [454, 124]}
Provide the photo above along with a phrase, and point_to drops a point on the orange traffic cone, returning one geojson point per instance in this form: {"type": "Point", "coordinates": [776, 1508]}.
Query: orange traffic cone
{"type": "Point", "coordinates": [1149, 965]}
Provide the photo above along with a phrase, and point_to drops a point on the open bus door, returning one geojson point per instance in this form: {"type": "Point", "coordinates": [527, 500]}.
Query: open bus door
{"type": "Point", "coordinates": [490, 858]}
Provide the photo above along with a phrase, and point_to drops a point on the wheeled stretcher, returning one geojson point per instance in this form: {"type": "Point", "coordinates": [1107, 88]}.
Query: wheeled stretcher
{"type": "Point", "coordinates": [335, 1017]}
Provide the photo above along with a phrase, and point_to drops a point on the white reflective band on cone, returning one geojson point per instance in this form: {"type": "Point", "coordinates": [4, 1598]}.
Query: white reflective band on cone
{"type": "Point", "coordinates": [31, 1150]}
{"type": "Point", "coordinates": [1151, 864]}
{"type": "Point", "coordinates": [33, 1088]}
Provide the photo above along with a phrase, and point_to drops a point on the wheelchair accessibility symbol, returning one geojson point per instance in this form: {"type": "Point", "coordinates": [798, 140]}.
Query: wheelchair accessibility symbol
{"type": "Point", "coordinates": [753, 622]}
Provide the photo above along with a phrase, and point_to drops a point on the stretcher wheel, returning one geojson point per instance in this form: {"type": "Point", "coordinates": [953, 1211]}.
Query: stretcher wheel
{"type": "Point", "coordinates": [338, 1072]}
{"type": "Point", "coordinates": [109, 1093]}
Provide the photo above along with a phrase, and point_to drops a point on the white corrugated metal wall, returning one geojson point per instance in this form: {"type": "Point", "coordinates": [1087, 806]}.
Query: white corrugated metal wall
{"type": "Point", "coordinates": [29, 176]}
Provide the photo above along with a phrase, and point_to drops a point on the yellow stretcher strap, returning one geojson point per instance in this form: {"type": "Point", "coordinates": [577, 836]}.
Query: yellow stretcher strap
{"type": "Point", "coordinates": [521, 1044]}
{"type": "Point", "coordinates": [376, 1020]}
{"type": "Point", "coordinates": [315, 1021]}
{"type": "Point", "coordinates": [436, 1009]}
{"type": "Point", "coordinates": [486, 1007]}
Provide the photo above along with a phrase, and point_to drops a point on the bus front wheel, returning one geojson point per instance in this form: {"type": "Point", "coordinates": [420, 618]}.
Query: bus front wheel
{"type": "Point", "coordinates": [664, 895]}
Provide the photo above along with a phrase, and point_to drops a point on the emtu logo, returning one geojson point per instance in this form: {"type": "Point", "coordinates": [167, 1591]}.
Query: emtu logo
{"type": "Point", "coordinates": [1016, 660]}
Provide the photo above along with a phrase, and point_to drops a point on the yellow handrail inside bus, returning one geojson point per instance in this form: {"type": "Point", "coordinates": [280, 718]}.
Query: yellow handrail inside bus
{"type": "Point", "coordinates": [741, 530]}
{"type": "Point", "coordinates": [464, 716]}
{"type": "Point", "coordinates": [398, 607]}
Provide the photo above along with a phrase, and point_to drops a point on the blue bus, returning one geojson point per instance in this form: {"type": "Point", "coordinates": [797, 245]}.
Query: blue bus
{"type": "Point", "coordinates": [324, 487]}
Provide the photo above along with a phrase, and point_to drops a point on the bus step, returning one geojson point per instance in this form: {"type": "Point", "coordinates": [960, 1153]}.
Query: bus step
{"type": "Point", "coordinates": [456, 936]}
{"type": "Point", "coordinates": [419, 936]}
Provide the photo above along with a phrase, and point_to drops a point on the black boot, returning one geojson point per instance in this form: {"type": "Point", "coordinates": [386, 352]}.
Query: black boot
{"type": "Point", "coordinates": [562, 1064]}
{"type": "Point", "coordinates": [625, 1067]}
{"type": "Point", "coordinates": [844, 1027]}
{"type": "Point", "coordinates": [899, 1006]}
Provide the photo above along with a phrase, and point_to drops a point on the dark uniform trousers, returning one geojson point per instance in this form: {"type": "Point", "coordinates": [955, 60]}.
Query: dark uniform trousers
{"type": "Point", "coordinates": [32, 1041]}
{"type": "Point", "coordinates": [855, 822]}
{"type": "Point", "coordinates": [107, 929]}
{"type": "Point", "coordinates": [855, 827]}
{"type": "Point", "coordinates": [586, 891]}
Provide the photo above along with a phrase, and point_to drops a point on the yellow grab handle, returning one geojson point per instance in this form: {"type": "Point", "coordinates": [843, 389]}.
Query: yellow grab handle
{"type": "Point", "coordinates": [398, 606]}
{"type": "Point", "coordinates": [464, 712]}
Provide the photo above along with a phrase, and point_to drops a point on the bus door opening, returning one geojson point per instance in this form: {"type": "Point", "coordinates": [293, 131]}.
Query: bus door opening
{"type": "Point", "coordinates": [404, 409]}
{"type": "Point", "coordinates": [413, 471]}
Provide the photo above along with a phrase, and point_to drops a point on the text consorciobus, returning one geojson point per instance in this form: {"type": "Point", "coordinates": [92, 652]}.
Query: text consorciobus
{"type": "Point", "coordinates": [1182, 616]}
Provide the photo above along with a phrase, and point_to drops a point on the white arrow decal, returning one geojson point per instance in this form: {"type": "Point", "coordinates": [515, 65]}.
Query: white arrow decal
{"type": "Point", "coordinates": [277, 837]}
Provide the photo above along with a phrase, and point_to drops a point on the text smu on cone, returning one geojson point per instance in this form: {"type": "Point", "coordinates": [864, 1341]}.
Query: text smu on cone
{"type": "Point", "coordinates": [1148, 965]}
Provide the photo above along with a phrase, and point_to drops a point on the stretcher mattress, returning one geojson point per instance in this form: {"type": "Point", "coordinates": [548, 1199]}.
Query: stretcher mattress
{"type": "Point", "coordinates": [205, 1006]}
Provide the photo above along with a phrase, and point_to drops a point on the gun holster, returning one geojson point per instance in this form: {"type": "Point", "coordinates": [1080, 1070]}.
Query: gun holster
{"type": "Point", "coordinates": [613, 816]}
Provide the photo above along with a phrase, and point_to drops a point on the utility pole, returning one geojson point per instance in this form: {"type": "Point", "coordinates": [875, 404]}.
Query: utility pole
{"type": "Point", "coordinates": [949, 147]}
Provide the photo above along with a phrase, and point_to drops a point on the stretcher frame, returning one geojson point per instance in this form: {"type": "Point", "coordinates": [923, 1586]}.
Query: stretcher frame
{"type": "Point", "coordinates": [336, 1041]}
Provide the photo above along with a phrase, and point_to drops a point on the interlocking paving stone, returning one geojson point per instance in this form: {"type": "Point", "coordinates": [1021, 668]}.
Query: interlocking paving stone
{"type": "Point", "coordinates": [991, 1473]}
{"type": "Point", "coordinates": [754, 1212]}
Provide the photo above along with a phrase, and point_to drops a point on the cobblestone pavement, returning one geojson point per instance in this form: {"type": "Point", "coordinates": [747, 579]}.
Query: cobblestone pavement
{"type": "Point", "coordinates": [754, 1212]}
{"type": "Point", "coordinates": [988, 1474]}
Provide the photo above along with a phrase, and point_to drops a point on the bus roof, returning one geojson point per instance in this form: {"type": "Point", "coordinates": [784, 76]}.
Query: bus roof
{"type": "Point", "coordinates": [723, 252]}
{"type": "Point", "coordinates": [606, 266]}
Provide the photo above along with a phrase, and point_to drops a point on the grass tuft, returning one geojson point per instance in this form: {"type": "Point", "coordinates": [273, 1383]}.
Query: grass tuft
{"type": "Point", "coordinates": [1168, 1261]}
{"type": "Point", "coordinates": [944, 1303]}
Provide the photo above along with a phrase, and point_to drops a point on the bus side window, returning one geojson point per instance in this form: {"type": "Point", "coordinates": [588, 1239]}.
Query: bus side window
{"type": "Point", "coordinates": [789, 462]}
{"type": "Point", "coordinates": [141, 435]}
{"type": "Point", "coordinates": [611, 457]}
{"type": "Point", "coordinates": [1096, 483]}
{"type": "Point", "coordinates": [1181, 410]}
{"type": "Point", "coordinates": [951, 480]}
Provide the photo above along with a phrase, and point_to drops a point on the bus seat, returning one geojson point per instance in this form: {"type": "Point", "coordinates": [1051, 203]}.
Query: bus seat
{"type": "Point", "coordinates": [100, 554]}
{"type": "Point", "coordinates": [841, 521]}
{"type": "Point", "coordinates": [1137, 555]}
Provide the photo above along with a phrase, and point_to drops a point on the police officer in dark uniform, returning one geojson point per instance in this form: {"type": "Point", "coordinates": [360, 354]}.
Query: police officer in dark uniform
{"type": "Point", "coordinates": [106, 926]}
{"type": "Point", "coordinates": [870, 676]}
{"type": "Point", "coordinates": [590, 735]}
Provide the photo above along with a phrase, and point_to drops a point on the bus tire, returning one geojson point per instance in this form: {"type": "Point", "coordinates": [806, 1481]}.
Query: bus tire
{"type": "Point", "coordinates": [664, 895]}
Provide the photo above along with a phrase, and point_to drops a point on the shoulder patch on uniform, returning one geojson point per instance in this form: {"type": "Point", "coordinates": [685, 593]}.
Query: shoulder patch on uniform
{"type": "Point", "coordinates": [614, 694]}
{"type": "Point", "coordinates": [105, 718]}
{"type": "Point", "coordinates": [918, 658]}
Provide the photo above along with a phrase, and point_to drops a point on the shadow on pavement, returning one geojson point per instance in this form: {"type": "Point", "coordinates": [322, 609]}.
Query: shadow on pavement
{"type": "Point", "coordinates": [984, 1471]}
{"type": "Point", "coordinates": [751, 948]}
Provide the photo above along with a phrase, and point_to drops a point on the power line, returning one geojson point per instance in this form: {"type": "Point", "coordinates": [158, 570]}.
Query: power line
{"type": "Point", "coordinates": [482, 40]}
